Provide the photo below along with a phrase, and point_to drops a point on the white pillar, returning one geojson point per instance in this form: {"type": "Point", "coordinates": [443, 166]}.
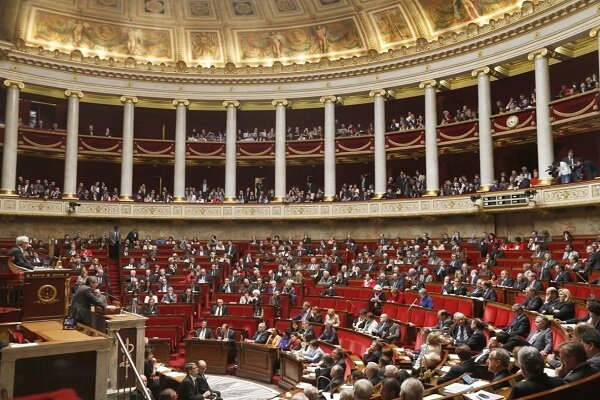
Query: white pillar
{"type": "Point", "coordinates": [486, 143]}
{"type": "Point", "coordinates": [126, 189]}
{"type": "Point", "coordinates": [11, 134]}
{"type": "Point", "coordinates": [180, 138]}
{"type": "Point", "coordinates": [545, 139]}
{"type": "Point", "coordinates": [380, 156]}
{"type": "Point", "coordinates": [230, 150]}
{"type": "Point", "coordinates": [280, 167]}
{"type": "Point", "coordinates": [431, 147]}
{"type": "Point", "coordinates": [329, 151]}
{"type": "Point", "coordinates": [596, 33]}
{"type": "Point", "coordinates": [72, 145]}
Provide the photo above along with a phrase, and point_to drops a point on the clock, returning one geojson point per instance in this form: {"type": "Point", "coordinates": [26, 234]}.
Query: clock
{"type": "Point", "coordinates": [512, 121]}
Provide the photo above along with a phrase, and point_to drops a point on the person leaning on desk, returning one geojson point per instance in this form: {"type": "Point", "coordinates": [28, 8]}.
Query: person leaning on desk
{"type": "Point", "coordinates": [84, 299]}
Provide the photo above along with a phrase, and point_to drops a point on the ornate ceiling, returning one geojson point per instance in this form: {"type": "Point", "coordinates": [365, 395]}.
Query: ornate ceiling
{"type": "Point", "coordinates": [244, 32]}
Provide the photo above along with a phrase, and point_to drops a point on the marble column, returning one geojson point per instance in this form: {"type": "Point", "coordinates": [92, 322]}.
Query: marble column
{"type": "Point", "coordinates": [329, 151]}
{"type": "Point", "coordinates": [545, 139]}
{"type": "Point", "coordinates": [486, 143]}
{"type": "Point", "coordinates": [126, 190]}
{"type": "Point", "coordinates": [380, 156]}
{"type": "Point", "coordinates": [280, 167]}
{"type": "Point", "coordinates": [596, 33]}
{"type": "Point", "coordinates": [180, 138]}
{"type": "Point", "coordinates": [231, 150]}
{"type": "Point", "coordinates": [11, 135]}
{"type": "Point", "coordinates": [72, 145]}
{"type": "Point", "coordinates": [431, 147]}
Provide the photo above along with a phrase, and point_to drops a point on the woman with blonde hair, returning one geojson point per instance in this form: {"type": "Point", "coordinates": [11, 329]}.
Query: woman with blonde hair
{"type": "Point", "coordinates": [565, 309]}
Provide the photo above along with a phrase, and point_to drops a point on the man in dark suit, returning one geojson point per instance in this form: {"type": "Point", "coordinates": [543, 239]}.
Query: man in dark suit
{"type": "Point", "coordinates": [187, 296]}
{"type": "Point", "coordinates": [505, 280]}
{"type": "Point", "coordinates": [466, 365]}
{"type": "Point", "coordinates": [547, 265]}
{"type": "Point", "coordinates": [535, 380]}
{"type": "Point", "coordinates": [459, 288]}
{"type": "Point", "coordinates": [520, 283]}
{"type": "Point", "coordinates": [228, 335]}
{"type": "Point", "coordinates": [114, 241]}
{"type": "Point", "coordinates": [18, 252]}
{"type": "Point", "coordinates": [204, 332]}
{"type": "Point", "coordinates": [532, 302]}
{"type": "Point", "coordinates": [498, 363]}
{"type": "Point", "coordinates": [134, 308]}
{"type": "Point", "coordinates": [133, 236]}
{"type": "Point", "coordinates": [138, 393]}
{"type": "Point", "coordinates": [304, 314]}
{"type": "Point", "coordinates": [202, 383]}
{"type": "Point", "coordinates": [329, 335]}
{"type": "Point", "coordinates": [444, 321]}
{"type": "Point", "coordinates": [477, 340]}
{"type": "Point", "coordinates": [574, 361]}
{"type": "Point", "coordinates": [151, 308]}
{"type": "Point", "coordinates": [551, 301]}
{"type": "Point", "coordinates": [218, 309]}
{"type": "Point", "coordinates": [593, 260]}
{"type": "Point", "coordinates": [261, 336]}
{"type": "Point", "coordinates": [520, 325]}
{"type": "Point", "coordinates": [533, 282]}
{"type": "Point", "coordinates": [188, 388]}
{"type": "Point", "coordinates": [460, 331]}
{"type": "Point", "coordinates": [337, 378]}
{"type": "Point", "coordinates": [83, 299]}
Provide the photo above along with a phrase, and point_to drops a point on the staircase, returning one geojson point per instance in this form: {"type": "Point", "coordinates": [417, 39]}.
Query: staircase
{"type": "Point", "coordinates": [114, 278]}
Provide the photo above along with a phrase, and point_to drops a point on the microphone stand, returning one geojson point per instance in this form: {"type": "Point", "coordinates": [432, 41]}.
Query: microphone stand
{"type": "Point", "coordinates": [587, 283]}
{"type": "Point", "coordinates": [328, 380]}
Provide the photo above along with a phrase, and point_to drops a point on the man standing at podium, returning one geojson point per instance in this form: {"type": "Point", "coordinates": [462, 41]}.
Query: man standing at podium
{"type": "Point", "coordinates": [84, 299]}
{"type": "Point", "coordinates": [18, 252]}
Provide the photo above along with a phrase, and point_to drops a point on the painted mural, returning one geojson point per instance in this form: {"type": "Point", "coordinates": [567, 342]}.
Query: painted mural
{"type": "Point", "coordinates": [392, 26]}
{"type": "Point", "coordinates": [300, 42]}
{"type": "Point", "coordinates": [447, 14]}
{"type": "Point", "coordinates": [205, 45]}
{"type": "Point", "coordinates": [62, 31]}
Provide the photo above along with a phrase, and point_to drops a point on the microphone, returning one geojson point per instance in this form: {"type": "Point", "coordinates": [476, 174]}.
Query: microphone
{"type": "Point", "coordinates": [321, 391]}
{"type": "Point", "coordinates": [587, 283]}
{"type": "Point", "coordinates": [413, 303]}
{"type": "Point", "coordinates": [110, 296]}
{"type": "Point", "coordinates": [351, 305]}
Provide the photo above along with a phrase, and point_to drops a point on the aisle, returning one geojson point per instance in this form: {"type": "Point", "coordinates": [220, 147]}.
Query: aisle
{"type": "Point", "coordinates": [233, 388]}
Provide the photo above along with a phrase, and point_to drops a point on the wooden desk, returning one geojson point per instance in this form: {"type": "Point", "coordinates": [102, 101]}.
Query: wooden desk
{"type": "Point", "coordinates": [291, 370]}
{"type": "Point", "coordinates": [161, 348]}
{"type": "Point", "coordinates": [214, 352]}
{"type": "Point", "coordinates": [256, 361]}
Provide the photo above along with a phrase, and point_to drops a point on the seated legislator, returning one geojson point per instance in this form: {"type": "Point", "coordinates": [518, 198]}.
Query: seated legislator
{"type": "Point", "coordinates": [188, 388]}
{"type": "Point", "coordinates": [565, 308]}
{"type": "Point", "coordinates": [134, 308]}
{"type": "Point", "coordinates": [261, 336]}
{"type": "Point", "coordinates": [202, 383]}
{"type": "Point", "coordinates": [574, 362]}
{"type": "Point", "coordinates": [18, 252]}
{"type": "Point", "coordinates": [204, 332]}
{"type": "Point", "coordinates": [591, 343]}
{"type": "Point", "coordinates": [541, 336]}
{"type": "Point", "coordinates": [426, 300]}
{"type": "Point", "coordinates": [534, 378]}
{"type": "Point", "coordinates": [460, 331]}
{"type": "Point", "coordinates": [391, 331]}
{"type": "Point", "coordinates": [337, 379]}
{"type": "Point", "coordinates": [151, 308]}
{"type": "Point", "coordinates": [498, 363]}
{"type": "Point", "coordinates": [373, 353]}
{"type": "Point", "coordinates": [466, 365]}
{"type": "Point", "coordinates": [520, 325]}
{"type": "Point", "coordinates": [312, 353]}
{"type": "Point", "coordinates": [329, 335]}
{"type": "Point", "coordinates": [84, 299]}
{"type": "Point", "coordinates": [477, 340]}
{"type": "Point", "coordinates": [274, 338]}
{"type": "Point", "coordinates": [532, 302]}
{"type": "Point", "coordinates": [218, 309]}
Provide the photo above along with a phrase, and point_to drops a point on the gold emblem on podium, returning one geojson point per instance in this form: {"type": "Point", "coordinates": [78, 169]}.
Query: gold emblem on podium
{"type": "Point", "coordinates": [47, 294]}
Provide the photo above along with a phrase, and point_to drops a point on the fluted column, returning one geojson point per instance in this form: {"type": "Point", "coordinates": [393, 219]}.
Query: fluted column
{"type": "Point", "coordinates": [545, 139]}
{"type": "Point", "coordinates": [129, 103]}
{"type": "Point", "coordinates": [486, 144]}
{"type": "Point", "coordinates": [180, 138]}
{"type": "Point", "coordinates": [380, 156]}
{"type": "Point", "coordinates": [11, 134]}
{"type": "Point", "coordinates": [431, 147]}
{"type": "Point", "coordinates": [596, 33]}
{"type": "Point", "coordinates": [280, 168]}
{"type": "Point", "coordinates": [230, 149]}
{"type": "Point", "coordinates": [72, 145]}
{"type": "Point", "coordinates": [329, 151]}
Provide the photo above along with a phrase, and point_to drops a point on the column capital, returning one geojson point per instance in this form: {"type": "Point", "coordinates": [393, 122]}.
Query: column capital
{"type": "Point", "coordinates": [332, 99]}
{"type": "Point", "coordinates": [283, 102]}
{"type": "Point", "coordinates": [10, 82]}
{"type": "Point", "coordinates": [543, 52]}
{"type": "Point", "coordinates": [129, 99]}
{"type": "Point", "coordinates": [380, 92]}
{"type": "Point", "coordinates": [181, 102]}
{"type": "Point", "coordinates": [231, 103]}
{"type": "Point", "coordinates": [482, 70]}
{"type": "Point", "coordinates": [431, 83]}
{"type": "Point", "coordinates": [595, 32]}
{"type": "Point", "coordinates": [71, 92]}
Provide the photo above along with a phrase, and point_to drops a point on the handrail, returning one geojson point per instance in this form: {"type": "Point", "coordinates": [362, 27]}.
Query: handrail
{"type": "Point", "coordinates": [138, 378]}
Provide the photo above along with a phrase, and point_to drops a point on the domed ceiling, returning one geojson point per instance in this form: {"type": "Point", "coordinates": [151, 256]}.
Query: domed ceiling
{"type": "Point", "coordinates": [242, 32]}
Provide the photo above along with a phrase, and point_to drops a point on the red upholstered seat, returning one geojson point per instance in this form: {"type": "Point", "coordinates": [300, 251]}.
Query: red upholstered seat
{"type": "Point", "coordinates": [451, 304]}
{"type": "Point", "coordinates": [489, 315]}
{"type": "Point", "coordinates": [62, 394]}
{"type": "Point", "coordinates": [504, 317]}
{"type": "Point", "coordinates": [558, 336]}
{"type": "Point", "coordinates": [430, 318]}
{"type": "Point", "coordinates": [465, 306]}
{"type": "Point", "coordinates": [417, 316]}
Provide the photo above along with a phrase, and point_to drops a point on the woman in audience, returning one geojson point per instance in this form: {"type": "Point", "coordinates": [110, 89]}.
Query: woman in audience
{"type": "Point", "coordinates": [332, 318]}
{"type": "Point", "coordinates": [565, 309]}
{"type": "Point", "coordinates": [295, 341]}
{"type": "Point", "coordinates": [368, 281]}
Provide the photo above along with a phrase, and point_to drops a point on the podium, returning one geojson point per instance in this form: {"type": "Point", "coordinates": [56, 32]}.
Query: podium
{"type": "Point", "coordinates": [256, 361]}
{"type": "Point", "coordinates": [45, 294]}
{"type": "Point", "coordinates": [214, 352]}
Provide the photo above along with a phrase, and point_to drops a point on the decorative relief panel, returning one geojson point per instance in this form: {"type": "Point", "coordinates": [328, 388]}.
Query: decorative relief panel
{"type": "Point", "coordinates": [568, 193]}
{"type": "Point", "coordinates": [99, 208]}
{"type": "Point", "coordinates": [36, 206]}
{"type": "Point", "coordinates": [453, 204]}
{"type": "Point", "coordinates": [251, 211]}
{"type": "Point", "coordinates": [400, 207]}
{"type": "Point", "coordinates": [205, 46]}
{"type": "Point", "coordinates": [595, 190]}
{"type": "Point", "coordinates": [350, 209]}
{"type": "Point", "coordinates": [301, 211]}
{"type": "Point", "coordinates": [199, 9]}
{"type": "Point", "coordinates": [151, 210]}
{"type": "Point", "coordinates": [202, 211]}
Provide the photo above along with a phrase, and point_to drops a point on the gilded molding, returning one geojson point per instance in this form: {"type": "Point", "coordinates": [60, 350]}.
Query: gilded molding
{"type": "Point", "coordinates": [594, 32]}
{"type": "Point", "coordinates": [71, 92]}
{"type": "Point", "coordinates": [380, 92]}
{"type": "Point", "coordinates": [331, 99]}
{"type": "Point", "coordinates": [538, 54]}
{"type": "Point", "coordinates": [129, 99]}
{"type": "Point", "coordinates": [10, 82]}
{"type": "Point", "coordinates": [183, 102]}
{"type": "Point", "coordinates": [482, 70]}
